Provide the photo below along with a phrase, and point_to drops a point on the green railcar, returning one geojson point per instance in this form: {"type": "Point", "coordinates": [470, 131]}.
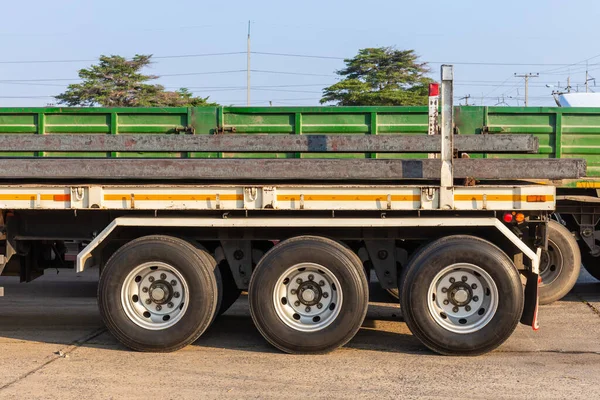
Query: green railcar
{"type": "Point", "coordinates": [561, 133]}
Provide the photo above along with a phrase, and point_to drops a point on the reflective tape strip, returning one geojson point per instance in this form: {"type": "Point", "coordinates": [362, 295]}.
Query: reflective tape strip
{"type": "Point", "coordinates": [348, 197]}
{"type": "Point", "coordinates": [498, 197]}
{"type": "Point", "coordinates": [172, 197]}
{"type": "Point", "coordinates": [33, 196]}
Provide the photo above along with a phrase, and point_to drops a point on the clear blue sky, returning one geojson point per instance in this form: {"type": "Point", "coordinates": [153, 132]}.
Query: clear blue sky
{"type": "Point", "coordinates": [513, 32]}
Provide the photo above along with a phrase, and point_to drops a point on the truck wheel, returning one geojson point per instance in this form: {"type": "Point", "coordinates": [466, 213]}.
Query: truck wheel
{"type": "Point", "coordinates": [461, 295]}
{"type": "Point", "coordinates": [158, 293]}
{"type": "Point", "coordinates": [559, 265]}
{"type": "Point", "coordinates": [308, 295]}
{"type": "Point", "coordinates": [590, 263]}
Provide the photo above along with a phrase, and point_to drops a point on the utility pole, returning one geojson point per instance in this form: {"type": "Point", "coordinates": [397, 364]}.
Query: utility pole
{"type": "Point", "coordinates": [466, 99]}
{"type": "Point", "coordinates": [588, 78]}
{"type": "Point", "coordinates": [568, 84]}
{"type": "Point", "coordinates": [527, 76]}
{"type": "Point", "coordinates": [248, 69]}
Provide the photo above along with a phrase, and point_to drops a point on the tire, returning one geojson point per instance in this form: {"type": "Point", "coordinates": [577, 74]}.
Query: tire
{"type": "Point", "coordinates": [330, 275]}
{"type": "Point", "coordinates": [490, 306]}
{"type": "Point", "coordinates": [180, 278]}
{"type": "Point", "coordinates": [560, 264]}
{"type": "Point", "coordinates": [590, 263]}
{"type": "Point", "coordinates": [230, 290]}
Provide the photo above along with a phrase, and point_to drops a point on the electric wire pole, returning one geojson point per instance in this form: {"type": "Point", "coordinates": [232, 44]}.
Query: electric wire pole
{"type": "Point", "coordinates": [248, 69]}
{"type": "Point", "coordinates": [527, 76]}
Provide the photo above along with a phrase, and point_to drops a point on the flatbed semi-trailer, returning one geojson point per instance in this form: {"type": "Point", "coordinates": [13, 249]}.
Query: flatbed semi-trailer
{"type": "Point", "coordinates": [178, 235]}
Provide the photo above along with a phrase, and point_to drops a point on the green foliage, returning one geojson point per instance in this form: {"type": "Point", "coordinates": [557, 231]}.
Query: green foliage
{"type": "Point", "coordinates": [381, 76]}
{"type": "Point", "coordinates": [118, 82]}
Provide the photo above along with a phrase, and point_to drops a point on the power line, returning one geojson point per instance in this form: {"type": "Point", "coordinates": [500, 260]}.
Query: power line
{"type": "Point", "coordinates": [204, 73]}
{"type": "Point", "coordinates": [288, 73]}
{"type": "Point", "coordinates": [96, 59]}
{"type": "Point", "coordinates": [559, 65]}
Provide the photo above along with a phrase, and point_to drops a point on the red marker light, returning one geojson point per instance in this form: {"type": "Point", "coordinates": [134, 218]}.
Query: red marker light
{"type": "Point", "coordinates": [507, 218]}
{"type": "Point", "coordinates": [434, 89]}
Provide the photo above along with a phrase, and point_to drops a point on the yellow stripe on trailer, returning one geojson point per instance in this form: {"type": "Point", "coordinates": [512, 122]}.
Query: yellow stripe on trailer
{"type": "Point", "coordinates": [504, 197]}
{"type": "Point", "coordinates": [172, 197]}
{"type": "Point", "coordinates": [347, 197]}
{"type": "Point", "coordinates": [33, 196]}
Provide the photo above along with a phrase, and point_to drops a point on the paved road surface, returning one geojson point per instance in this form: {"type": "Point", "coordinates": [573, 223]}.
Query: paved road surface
{"type": "Point", "coordinates": [53, 345]}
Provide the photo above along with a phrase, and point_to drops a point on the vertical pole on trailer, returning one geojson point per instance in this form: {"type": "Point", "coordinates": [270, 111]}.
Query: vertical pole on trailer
{"type": "Point", "coordinates": [446, 154]}
{"type": "Point", "coordinates": [434, 95]}
{"type": "Point", "coordinates": [248, 68]}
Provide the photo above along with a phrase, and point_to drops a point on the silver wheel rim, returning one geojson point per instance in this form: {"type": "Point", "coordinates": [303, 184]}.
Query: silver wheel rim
{"type": "Point", "coordinates": [155, 296]}
{"type": "Point", "coordinates": [463, 298]}
{"type": "Point", "coordinates": [551, 263]}
{"type": "Point", "coordinates": [307, 297]}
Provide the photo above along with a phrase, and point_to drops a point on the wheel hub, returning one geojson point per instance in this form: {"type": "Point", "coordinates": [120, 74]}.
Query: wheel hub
{"type": "Point", "coordinates": [460, 294]}
{"type": "Point", "coordinates": [307, 297]}
{"type": "Point", "coordinates": [161, 292]}
{"type": "Point", "coordinates": [309, 293]}
{"type": "Point", "coordinates": [155, 295]}
{"type": "Point", "coordinates": [463, 298]}
{"type": "Point", "coordinates": [551, 263]}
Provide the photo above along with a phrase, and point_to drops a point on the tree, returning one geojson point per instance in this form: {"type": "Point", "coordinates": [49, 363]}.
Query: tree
{"type": "Point", "coordinates": [118, 82]}
{"type": "Point", "coordinates": [381, 76]}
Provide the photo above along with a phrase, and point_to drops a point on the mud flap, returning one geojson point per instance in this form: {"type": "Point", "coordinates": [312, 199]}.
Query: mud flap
{"type": "Point", "coordinates": [532, 300]}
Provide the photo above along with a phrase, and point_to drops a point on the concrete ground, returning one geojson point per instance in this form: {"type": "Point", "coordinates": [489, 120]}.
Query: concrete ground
{"type": "Point", "coordinates": [53, 345]}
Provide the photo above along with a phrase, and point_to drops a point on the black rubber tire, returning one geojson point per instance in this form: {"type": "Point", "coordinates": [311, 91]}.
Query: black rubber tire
{"type": "Point", "coordinates": [428, 262]}
{"type": "Point", "coordinates": [192, 265]}
{"type": "Point", "coordinates": [590, 263]}
{"type": "Point", "coordinates": [564, 246]}
{"type": "Point", "coordinates": [341, 261]}
{"type": "Point", "coordinates": [212, 263]}
{"type": "Point", "coordinates": [230, 290]}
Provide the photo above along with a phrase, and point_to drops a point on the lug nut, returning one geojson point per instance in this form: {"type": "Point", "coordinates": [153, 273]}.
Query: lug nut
{"type": "Point", "coordinates": [311, 277]}
{"type": "Point", "coordinates": [293, 291]}
{"type": "Point", "coordinates": [325, 295]}
{"type": "Point", "coordinates": [171, 305]}
{"type": "Point", "coordinates": [444, 290]}
{"type": "Point", "coordinates": [158, 307]}
{"type": "Point", "coordinates": [446, 302]}
{"type": "Point", "coordinates": [173, 282]}
{"type": "Point", "coordinates": [475, 298]}
{"type": "Point", "coordinates": [296, 303]}
{"type": "Point", "coordinates": [464, 278]}
{"type": "Point", "coordinates": [473, 286]}
{"type": "Point", "coordinates": [151, 279]}
{"type": "Point", "coordinates": [163, 276]}
{"type": "Point", "coordinates": [299, 280]}
{"type": "Point", "coordinates": [468, 308]}
{"type": "Point", "coordinates": [452, 280]}
{"type": "Point", "coordinates": [145, 289]}
{"type": "Point", "coordinates": [307, 309]}
{"type": "Point", "coordinates": [455, 309]}
{"type": "Point", "coordinates": [319, 306]}
{"type": "Point", "coordinates": [321, 283]}
{"type": "Point", "coordinates": [176, 295]}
